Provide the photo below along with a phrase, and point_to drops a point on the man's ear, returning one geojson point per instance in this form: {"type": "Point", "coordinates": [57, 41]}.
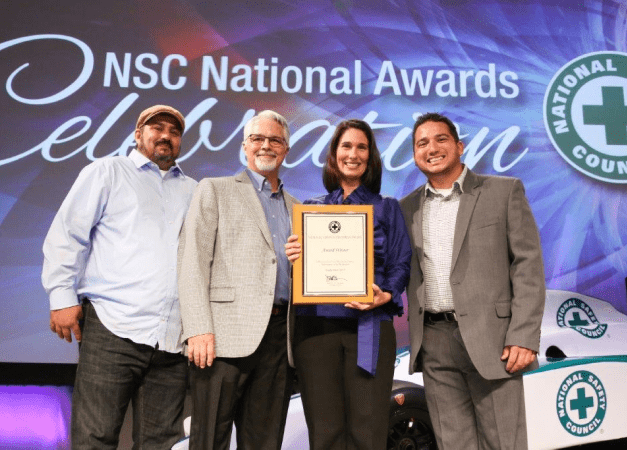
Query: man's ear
{"type": "Point", "coordinates": [138, 135]}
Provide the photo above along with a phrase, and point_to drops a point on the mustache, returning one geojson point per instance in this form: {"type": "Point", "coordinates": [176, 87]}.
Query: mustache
{"type": "Point", "coordinates": [164, 142]}
{"type": "Point", "coordinates": [265, 153]}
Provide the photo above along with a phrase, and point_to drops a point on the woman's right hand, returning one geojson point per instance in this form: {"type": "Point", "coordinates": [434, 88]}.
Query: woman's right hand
{"type": "Point", "coordinates": [292, 248]}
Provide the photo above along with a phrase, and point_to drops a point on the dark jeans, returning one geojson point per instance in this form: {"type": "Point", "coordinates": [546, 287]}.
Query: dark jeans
{"type": "Point", "coordinates": [112, 372]}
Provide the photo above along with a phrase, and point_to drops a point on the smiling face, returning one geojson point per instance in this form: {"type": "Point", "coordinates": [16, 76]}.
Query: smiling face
{"type": "Point", "coordinates": [437, 154]}
{"type": "Point", "coordinates": [352, 156]}
{"type": "Point", "coordinates": [160, 140]}
{"type": "Point", "coordinates": [264, 157]}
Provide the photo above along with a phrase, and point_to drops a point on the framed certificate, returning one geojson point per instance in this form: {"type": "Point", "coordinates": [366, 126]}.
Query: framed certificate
{"type": "Point", "coordinates": [337, 259]}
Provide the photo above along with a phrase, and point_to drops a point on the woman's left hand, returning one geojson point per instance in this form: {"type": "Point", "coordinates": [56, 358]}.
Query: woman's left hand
{"type": "Point", "coordinates": [380, 298]}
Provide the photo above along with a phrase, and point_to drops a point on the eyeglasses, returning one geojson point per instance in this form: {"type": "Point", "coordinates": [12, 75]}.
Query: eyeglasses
{"type": "Point", "coordinates": [258, 139]}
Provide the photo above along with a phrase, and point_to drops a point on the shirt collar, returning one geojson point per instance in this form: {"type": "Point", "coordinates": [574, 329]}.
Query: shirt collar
{"type": "Point", "coordinates": [260, 182]}
{"type": "Point", "coordinates": [457, 184]}
{"type": "Point", "coordinates": [360, 196]}
{"type": "Point", "coordinates": [140, 160]}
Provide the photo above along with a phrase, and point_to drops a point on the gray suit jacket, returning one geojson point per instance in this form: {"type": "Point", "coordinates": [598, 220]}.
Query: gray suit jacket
{"type": "Point", "coordinates": [497, 275]}
{"type": "Point", "coordinates": [227, 265]}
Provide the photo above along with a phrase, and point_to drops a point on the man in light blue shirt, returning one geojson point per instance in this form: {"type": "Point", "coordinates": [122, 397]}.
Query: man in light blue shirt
{"type": "Point", "coordinates": [110, 259]}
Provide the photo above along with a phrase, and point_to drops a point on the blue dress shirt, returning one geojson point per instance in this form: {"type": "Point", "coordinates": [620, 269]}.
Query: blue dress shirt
{"type": "Point", "coordinates": [392, 259]}
{"type": "Point", "coordinates": [278, 219]}
{"type": "Point", "coordinates": [114, 240]}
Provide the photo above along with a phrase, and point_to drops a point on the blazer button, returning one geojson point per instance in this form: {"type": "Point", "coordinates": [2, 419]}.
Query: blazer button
{"type": "Point", "coordinates": [273, 260]}
{"type": "Point", "coordinates": [421, 310]}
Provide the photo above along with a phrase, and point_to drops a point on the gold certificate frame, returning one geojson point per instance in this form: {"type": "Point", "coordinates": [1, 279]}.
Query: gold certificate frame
{"type": "Point", "coordinates": [336, 264]}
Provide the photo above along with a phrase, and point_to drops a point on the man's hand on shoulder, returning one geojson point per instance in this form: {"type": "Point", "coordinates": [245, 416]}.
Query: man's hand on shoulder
{"type": "Point", "coordinates": [517, 357]}
{"type": "Point", "coordinates": [64, 322]}
{"type": "Point", "coordinates": [201, 350]}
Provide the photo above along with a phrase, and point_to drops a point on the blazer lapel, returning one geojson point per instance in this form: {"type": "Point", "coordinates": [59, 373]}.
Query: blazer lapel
{"type": "Point", "coordinates": [416, 230]}
{"type": "Point", "coordinates": [467, 204]}
{"type": "Point", "coordinates": [289, 203]}
{"type": "Point", "coordinates": [247, 191]}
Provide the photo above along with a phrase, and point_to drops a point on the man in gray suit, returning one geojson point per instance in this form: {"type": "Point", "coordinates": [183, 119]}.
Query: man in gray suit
{"type": "Point", "coordinates": [476, 294]}
{"type": "Point", "coordinates": [234, 282]}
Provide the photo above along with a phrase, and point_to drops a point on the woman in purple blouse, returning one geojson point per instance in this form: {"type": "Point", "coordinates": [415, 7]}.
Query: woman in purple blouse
{"type": "Point", "coordinates": [344, 354]}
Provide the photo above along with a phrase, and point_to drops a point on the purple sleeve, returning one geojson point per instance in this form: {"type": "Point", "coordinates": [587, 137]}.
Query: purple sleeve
{"type": "Point", "coordinates": [398, 253]}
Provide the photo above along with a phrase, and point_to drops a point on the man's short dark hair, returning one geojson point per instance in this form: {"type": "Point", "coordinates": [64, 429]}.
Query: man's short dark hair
{"type": "Point", "coordinates": [371, 178]}
{"type": "Point", "coordinates": [434, 117]}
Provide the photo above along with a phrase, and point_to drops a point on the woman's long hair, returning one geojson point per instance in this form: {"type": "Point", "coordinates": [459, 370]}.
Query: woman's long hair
{"type": "Point", "coordinates": [331, 175]}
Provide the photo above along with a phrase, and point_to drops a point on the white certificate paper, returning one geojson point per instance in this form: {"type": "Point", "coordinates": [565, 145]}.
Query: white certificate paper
{"type": "Point", "coordinates": [335, 254]}
{"type": "Point", "coordinates": [337, 257]}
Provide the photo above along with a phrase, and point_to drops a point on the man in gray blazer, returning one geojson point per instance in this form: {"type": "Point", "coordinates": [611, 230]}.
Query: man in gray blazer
{"type": "Point", "coordinates": [234, 290]}
{"type": "Point", "coordinates": [476, 294]}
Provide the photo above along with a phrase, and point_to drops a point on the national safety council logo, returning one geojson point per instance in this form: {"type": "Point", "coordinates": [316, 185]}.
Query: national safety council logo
{"type": "Point", "coordinates": [581, 403]}
{"type": "Point", "coordinates": [577, 314]}
{"type": "Point", "coordinates": [585, 115]}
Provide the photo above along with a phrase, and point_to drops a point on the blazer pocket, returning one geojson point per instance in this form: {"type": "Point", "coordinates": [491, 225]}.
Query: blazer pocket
{"type": "Point", "coordinates": [222, 294]}
{"type": "Point", "coordinates": [484, 224]}
{"type": "Point", "coordinates": [503, 309]}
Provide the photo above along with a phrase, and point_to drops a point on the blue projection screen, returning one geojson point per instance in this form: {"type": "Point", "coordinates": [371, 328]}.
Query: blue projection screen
{"type": "Point", "coordinates": [538, 90]}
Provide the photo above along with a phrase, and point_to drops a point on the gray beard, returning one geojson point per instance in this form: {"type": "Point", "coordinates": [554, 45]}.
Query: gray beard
{"type": "Point", "coordinates": [265, 166]}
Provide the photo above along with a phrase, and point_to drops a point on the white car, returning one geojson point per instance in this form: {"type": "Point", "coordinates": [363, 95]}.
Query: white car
{"type": "Point", "coordinates": [577, 396]}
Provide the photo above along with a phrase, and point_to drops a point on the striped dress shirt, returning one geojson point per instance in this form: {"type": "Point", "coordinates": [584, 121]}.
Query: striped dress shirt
{"type": "Point", "coordinates": [438, 230]}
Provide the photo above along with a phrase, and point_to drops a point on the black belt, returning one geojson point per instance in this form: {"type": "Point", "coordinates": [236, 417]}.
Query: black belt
{"type": "Point", "coordinates": [278, 310]}
{"type": "Point", "coordinates": [444, 316]}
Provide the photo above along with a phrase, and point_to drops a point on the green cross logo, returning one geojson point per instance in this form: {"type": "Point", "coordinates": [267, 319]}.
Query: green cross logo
{"type": "Point", "coordinates": [576, 314]}
{"type": "Point", "coordinates": [581, 403]}
{"type": "Point", "coordinates": [577, 321]}
{"type": "Point", "coordinates": [585, 115]}
{"type": "Point", "coordinates": [612, 114]}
